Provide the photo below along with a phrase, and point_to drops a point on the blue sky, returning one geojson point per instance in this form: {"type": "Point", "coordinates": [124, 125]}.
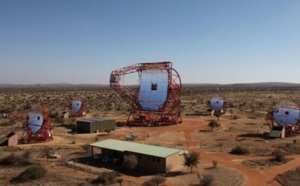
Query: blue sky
{"type": "Point", "coordinates": [208, 41]}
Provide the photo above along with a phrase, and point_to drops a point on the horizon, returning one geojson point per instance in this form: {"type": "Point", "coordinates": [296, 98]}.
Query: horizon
{"type": "Point", "coordinates": [100, 84]}
{"type": "Point", "coordinates": [208, 42]}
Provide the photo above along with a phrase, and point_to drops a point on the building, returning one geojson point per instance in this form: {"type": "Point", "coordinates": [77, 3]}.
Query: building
{"type": "Point", "coordinates": [65, 115]}
{"type": "Point", "coordinates": [150, 157]}
{"type": "Point", "coordinates": [9, 140]}
{"type": "Point", "coordinates": [91, 125]}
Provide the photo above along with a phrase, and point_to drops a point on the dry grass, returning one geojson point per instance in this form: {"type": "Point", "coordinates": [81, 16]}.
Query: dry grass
{"type": "Point", "coordinates": [248, 108]}
{"type": "Point", "coordinates": [290, 178]}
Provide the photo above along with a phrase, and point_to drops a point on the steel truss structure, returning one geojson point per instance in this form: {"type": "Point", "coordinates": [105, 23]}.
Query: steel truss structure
{"type": "Point", "coordinates": [218, 106]}
{"type": "Point", "coordinates": [285, 116]}
{"type": "Point", "coordinates": [77, 107]}
{"type": "Point", "coordinates": [145, 109]}
{"type": "Point", "coordinates": [39, 133]}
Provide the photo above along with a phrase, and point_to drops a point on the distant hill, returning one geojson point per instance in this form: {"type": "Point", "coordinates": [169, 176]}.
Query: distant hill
{"type": "Point", "coordinates": [249, 85]}
{"type": "Point", "coordinates": [54, 86]}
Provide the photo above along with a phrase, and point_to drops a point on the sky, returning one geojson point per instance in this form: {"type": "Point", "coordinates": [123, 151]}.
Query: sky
{"type": "Point", "coordinates": [208, 41]}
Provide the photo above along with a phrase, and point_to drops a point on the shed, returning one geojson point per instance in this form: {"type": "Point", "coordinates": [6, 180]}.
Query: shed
{"type": "Point", "coordinates": [65, 115]}
{"type": "Point", "coordinates": [91, 125]}
{"type": "Point", "coordinates": [277, 132]}
{"type": "Point", "coordinates": [150, 157]}
{"type": "Point", "coordinates": [9, 139]}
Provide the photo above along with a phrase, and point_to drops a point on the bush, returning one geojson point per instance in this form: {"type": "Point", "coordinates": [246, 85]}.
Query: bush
{"type": "Point", "coordinates": [6, 123]}
{"type": "Point", "coordinates": [279, 157]}
{"type": "Point", "coordinates": [215, 163]}
{"type": "Point", "coordinates": [130, 162]}
{"type": "Point", "coordinates": [86, 147]}
{"type": "Point", "coordinates": [191, 159]}
{"type": "Point", "coordinates": [26, 154]}
{"type": "Point", "coordinates": [154, 181]}
{"type": "Point", "coordinates": [12, 159]}
{"type": "Point", "coordinates": [238, 150]}
{"type": "Point", "coordinates": [206, 180]}
{"type": "Point", "coordinates": [32, 173]}
{"type": "Point", "coordinates": [106, 178]}
{"type": "Point", "coordinates": [46, 151]}
{"type": "Point", "coordinates": [212, 124]}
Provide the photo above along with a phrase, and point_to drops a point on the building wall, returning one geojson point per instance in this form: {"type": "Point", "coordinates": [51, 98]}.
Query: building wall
{"type": "Point", "coordinates": [152, 163]}
{"type": "Point", "coordinates": [112, 153]}
{"type": "Point", "coordinates": [102, 125]}
{"type": "Point", "coordinates": [172, 163]}
{"type": "Point", "coordinates": [175, 162]}
{"type": "Point", "coordinates": [83, 127]}
{"type": "Point", "coordinates": [94, 126]}
{"type": "Point", "coordinates": [10, 140]}
{"type": "Point", "coordinates": [13, 140]}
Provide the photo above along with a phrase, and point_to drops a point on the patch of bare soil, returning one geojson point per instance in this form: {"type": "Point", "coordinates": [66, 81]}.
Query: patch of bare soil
{"type": "Point", "coordinates": [244, 126]}
{"type": "Point", "coordinates": [263, 163]}
{"type": "Point", "coordinates": [289, 178]}
{"type": "Point", "coordinates": [221, 176]}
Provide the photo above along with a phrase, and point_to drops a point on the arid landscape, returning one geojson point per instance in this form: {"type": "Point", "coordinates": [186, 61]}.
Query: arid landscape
{"type": "Point", "coordinates": [243, 125]}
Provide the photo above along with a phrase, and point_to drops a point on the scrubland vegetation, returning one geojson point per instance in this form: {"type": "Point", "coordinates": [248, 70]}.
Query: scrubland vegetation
{"type": "Point", "coordinates": [240, 131]}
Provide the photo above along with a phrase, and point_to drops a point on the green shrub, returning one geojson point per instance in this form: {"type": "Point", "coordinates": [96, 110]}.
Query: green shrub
{"type": "Point", "coordinates": [154, 181]}
{"type": "Point", "coordinates": [26, 154]}
{"type": "Point", "coordinates": [206, 180]}
{"type": "Point", "coordinates": [6, 123]}
{"type": "Point", "coordinates": [238, 150]}
{"type": "Point", "coordinates": [106, 178]}
{"type": "Point", "coordinates": [31, 173]}
{"type": "Point", "coordinates": [212, 124]}
{"type": "Point", "coordinates": [215, 163]}
{"type": "Point", "coordinates": [191, 159]}
{"type": "Point", "coordinates": [130, 162]}
{"type": "Point", "coordinates": [12, 159]}
{"type": "Point", "coordinates": [279, 157]}
{"type": "Point", "coordinates": [46, 151]}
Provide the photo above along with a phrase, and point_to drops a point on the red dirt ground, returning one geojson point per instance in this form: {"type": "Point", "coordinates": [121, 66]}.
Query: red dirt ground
{"type": "Point", "coordinates": [253, 177]}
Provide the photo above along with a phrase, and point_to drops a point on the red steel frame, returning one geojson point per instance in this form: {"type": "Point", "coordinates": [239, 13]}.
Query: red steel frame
{"type": "Point", "coordinates": [169, 114]}
{"type": "Point", "coordinates": [45, 133]}
{"type": "Point", "coordinates": [289, 131]}
{"type": "Point", "coordinates": [81, 112]}
{"type": "Point", "coordinates": [220, 112]}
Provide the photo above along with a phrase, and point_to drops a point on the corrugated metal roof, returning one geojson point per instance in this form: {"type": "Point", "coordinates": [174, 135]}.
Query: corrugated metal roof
{"type": "Point", "coordinates": [113, 144]}
{"type": "Point", "coordinates": [151, 150]}
{"type": "Point", "coordinates": [101, 119]}
{"type": "Point", "coordinates": [154, 150]}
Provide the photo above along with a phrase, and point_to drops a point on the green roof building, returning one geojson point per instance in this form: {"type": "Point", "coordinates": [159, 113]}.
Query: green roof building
{"type": "Point", "coordinates": [150, 157]}
{"type": "Point", "coordinates": [91, 125]}
{"type": "Point", "coordinates": [10, 139]}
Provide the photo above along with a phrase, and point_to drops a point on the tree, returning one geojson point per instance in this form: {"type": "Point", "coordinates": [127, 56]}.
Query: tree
{"type": "Point", "coordinates": [191, 159]}
{"type": "Point", "coordinates": [238, 150]}
{"type": "Point", "coordinates": [154, 181]}
{"type": "Point", "coordinates": [205, 180]}
{"type": "Point", "coordinates": [130, 162]}
{"type": "Point", "coordinates": [212, 124]}
{"type": "Point", "coordinates": [278, 156]}
{"type": "Point", "coordinates": [31, 173]}
{"type": "Point", "coordinates": [106, 178]}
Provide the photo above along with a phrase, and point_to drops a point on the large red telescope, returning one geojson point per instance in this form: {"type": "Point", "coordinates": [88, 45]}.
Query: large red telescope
{"type": "Point", "coordinates": [156, 101]}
